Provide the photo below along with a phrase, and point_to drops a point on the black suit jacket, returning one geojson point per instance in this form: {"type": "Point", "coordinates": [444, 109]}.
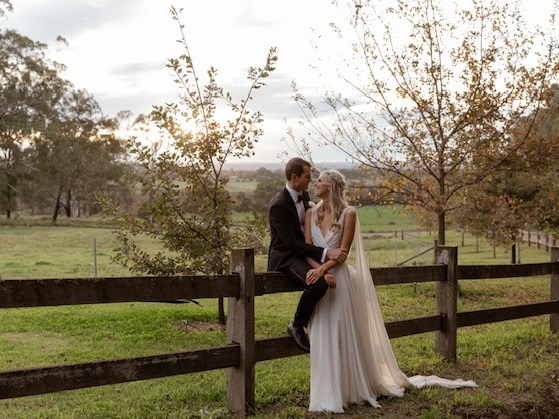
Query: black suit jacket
{"type": "Point", "coordinates": [287, 241]}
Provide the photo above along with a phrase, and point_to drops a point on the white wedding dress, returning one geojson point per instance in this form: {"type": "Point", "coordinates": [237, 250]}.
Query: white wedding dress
{"type": "Point", "coordinates": [351, 356]}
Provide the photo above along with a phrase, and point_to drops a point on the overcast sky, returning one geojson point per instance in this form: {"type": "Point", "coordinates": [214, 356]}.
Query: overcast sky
{"type": "Point", "coordinates": [118, 50]}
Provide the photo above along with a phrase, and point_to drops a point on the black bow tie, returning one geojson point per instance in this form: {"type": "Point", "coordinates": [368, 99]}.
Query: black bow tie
{"type": "Point", "coordinates": [299, 198]}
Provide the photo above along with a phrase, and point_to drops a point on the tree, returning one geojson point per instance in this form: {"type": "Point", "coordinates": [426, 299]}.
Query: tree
{"type": "Point", "coordinates": [522, 193]}
{"type": "Point", "coordinates": [77, 155]}
{"type": "Point", "coordinates": [187, 206]}
{"type": "Point", "coordinates": [5, 6]}
{"type": "Point", "coordinates": [435, 102]}
{"type": "Point", "coordinates": [505, 203]}
{"type": "Point", "coordinates": [30, 88]}
{"type": "Point", "coordinates": [539, 157]}
{"type": "Point", "coordinates": [265, 190]}
{"type": "Point", "coordinates": [49, 131]}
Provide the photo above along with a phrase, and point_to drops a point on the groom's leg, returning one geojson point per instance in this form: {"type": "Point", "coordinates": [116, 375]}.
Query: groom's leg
{"type": "Point", "coordinates": [311, 294]}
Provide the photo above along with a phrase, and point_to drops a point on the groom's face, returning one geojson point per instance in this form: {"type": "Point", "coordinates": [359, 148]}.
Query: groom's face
{"type": "Point", "coordinates": [301, 183]}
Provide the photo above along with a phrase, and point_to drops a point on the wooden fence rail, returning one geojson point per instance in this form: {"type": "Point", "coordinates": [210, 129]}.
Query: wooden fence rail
{"type": "Point", "coordinates": [243, 351]}
{"type": "Point", "coordinates": [546, 240]}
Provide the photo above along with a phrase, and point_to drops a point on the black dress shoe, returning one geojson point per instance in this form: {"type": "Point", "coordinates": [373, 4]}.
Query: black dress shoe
{"type": "Point", "coordinates": [300, 337]}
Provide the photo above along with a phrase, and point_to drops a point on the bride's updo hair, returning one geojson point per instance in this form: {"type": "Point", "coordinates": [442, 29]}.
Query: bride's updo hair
{"type": "Point", "coordinates": [337, 183]}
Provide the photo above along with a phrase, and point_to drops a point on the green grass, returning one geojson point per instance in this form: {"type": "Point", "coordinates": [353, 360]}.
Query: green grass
{"type": "Point", "coordinates": [506, 359]}
{"type": "Point", "coordinates": [385, 219]}
{"type": "Point", "coordinates": [62, 251]}
{"type": "Point", "coordinates": [514, 362]}
{"type": "Point", "coordinates": [245, 186]}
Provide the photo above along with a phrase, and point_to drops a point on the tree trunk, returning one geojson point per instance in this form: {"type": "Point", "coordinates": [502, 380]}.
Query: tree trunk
{"type": "Point", "coordinates": [8, 200]}
{"type": "Point", "coordinates": [441, 228]}
{"type": "Point", "coordinates": [9, 195]}
{"type": "Point", "coordinates": [513, 249]}
{"type": "Point", "coordinates": [68, 204]}
{"type": "Point", "coordinates": [57, 206]}
{"type": "Point", "coordinates": [513, 254]}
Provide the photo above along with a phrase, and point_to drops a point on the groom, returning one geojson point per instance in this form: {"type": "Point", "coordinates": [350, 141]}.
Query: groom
{"type": "Point", "coordinates": [288, 249]}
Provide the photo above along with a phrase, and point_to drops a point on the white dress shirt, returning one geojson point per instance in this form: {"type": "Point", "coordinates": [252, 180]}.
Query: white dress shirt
{"type": "Point", "coordinates": [301, 211]}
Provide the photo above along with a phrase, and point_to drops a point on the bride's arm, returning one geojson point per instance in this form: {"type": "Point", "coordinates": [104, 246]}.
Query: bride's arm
{"type": "Point", "coordinates": [348, 228]}
{"type": "Point", "coordinates": [348, 231]}
{"type": "Point", "coordinates": [328, 277]}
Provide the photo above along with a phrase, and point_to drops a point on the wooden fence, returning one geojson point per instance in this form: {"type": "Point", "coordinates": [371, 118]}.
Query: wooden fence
{"type": "Point", "coordinates": [540, 239]}
{"type": "Point", "coordinates": [243, 351]}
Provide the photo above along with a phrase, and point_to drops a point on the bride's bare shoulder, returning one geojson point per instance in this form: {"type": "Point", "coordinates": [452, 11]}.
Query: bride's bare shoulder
{"type": "Point", "coordinates": [350, 210]}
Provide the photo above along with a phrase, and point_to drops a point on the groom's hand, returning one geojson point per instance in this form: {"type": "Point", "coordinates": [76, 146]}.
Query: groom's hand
{"type": "Point", "coordinates": [337, 254]}
{"type": "Point", "coordinates": [330, 280]}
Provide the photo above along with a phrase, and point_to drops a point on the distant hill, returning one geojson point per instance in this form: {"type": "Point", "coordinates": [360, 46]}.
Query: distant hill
{"type": "Point", "coordinates": [280, 165]}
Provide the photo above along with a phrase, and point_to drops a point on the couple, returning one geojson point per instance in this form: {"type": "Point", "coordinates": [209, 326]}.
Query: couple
{"type": "Point", "coordinates": [351, 356]}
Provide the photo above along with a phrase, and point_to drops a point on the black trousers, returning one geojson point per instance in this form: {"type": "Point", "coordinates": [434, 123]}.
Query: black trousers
{"type": "Point", "coordinates": [297, 272]}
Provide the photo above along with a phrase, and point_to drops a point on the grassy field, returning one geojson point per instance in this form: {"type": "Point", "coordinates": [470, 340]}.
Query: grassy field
{"type": "Point", "coordinates": [82, 248]}
{"type": "Point", "coordinates": [245, 186]}
{"type": "Point", "coordinates": [513, 362]}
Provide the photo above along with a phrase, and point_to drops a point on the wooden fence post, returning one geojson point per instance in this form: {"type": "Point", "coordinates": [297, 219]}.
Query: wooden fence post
{"type": "Point", "coordinates": [554, 317]}
{"type": "Point", "coordinates": [240, 330]}
{"type": "Point", "coordinates": [446, 300]}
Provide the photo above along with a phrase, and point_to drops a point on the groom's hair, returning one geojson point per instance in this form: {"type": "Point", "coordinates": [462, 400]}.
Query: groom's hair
{"type": "Point", "coordinates": [295, 166]}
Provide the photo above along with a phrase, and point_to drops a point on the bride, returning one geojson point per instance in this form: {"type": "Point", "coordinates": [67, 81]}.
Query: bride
{"type": "Point", "coordinates": [351, 357]}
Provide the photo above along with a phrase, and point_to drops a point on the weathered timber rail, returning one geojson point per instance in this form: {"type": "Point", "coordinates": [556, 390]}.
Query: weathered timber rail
{"type": "Point", "coordinates": [540, 239]}
{"type": "Point", "coordinates": [243, 351]}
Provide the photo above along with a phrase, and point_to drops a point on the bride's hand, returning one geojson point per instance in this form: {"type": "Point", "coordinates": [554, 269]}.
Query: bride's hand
{"type": "Point", "coordinates": [330, 280]}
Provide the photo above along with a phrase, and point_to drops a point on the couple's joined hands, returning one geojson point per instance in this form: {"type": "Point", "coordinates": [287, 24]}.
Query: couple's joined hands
{"type": "Point", "coordinates": [314, 274]}
{"type": "Point", "coordinates": [339, 255]}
